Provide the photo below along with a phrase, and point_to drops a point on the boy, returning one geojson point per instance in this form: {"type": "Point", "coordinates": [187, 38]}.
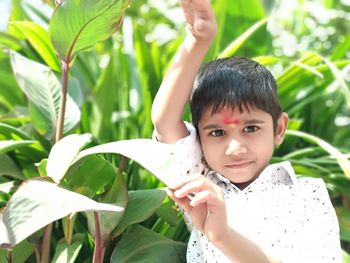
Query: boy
{"type": "Point", "coordinates": [241, 208]}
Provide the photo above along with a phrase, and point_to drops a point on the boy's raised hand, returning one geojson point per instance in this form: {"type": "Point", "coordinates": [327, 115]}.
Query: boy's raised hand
{"type": "Point", "coordinates": [206, 207]}
{"type": "Point", "coordinates": [200, 18]}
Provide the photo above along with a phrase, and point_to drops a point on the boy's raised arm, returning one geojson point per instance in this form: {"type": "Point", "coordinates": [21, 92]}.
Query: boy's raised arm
{"type": "Point", "coordinates": [175, 90]}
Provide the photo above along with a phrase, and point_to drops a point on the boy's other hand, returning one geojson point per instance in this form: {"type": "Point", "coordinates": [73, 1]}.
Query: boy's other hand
{"type": "Point", "coordinates": [204, 202]}
{"type": "Point", "coordinates": [200, 19]}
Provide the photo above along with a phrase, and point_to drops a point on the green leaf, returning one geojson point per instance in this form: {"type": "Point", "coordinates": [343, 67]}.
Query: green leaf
{"type": "Point", "coordinates": [44, 90]}
{"type": "Point", "coordinates": [6, 146]}
{"type": "Point", "coordinates": [144, 245]}
{"type": "Point", "coordinates": [337, 74]}
{"type": "Point", "coordinates": [37, 203]}
{"type": "Point", "coordinates": [117, 194]}
{"type": "Point", "coordinates": [63, 153]}
{"type": "Point", "coordinates": [168, 213]}
{"type": "Point", "coordinates": [236, 44]}
{"type": "Point", "coordinates": [9, 168]}
{"type": "Point", "coordinates": [142, 204]}
{"type": "Point", "coordinates": [90, 176]}
{"type": "Point", "coordinates": [20, 253]}
{"type": "Point", "coordinates": [40, 40]}
{"type": "Point", "coordinates": [266, 60]}
{"type": "Point", "coordinates": [73, 31]}
{"type": "Point", "coordinates": [13, 132]}
{"type": "Point", "coordinates": [342, 160]}
{"type": "Point", "coordinates": [68, 252]}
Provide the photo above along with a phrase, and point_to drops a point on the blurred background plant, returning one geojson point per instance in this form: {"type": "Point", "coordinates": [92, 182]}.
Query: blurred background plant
{"type": "Point", "coordinates": [305, 44]}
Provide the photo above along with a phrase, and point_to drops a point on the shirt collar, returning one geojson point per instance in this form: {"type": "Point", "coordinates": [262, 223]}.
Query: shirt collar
{"type": "Point", "coordinates": [278, 173]}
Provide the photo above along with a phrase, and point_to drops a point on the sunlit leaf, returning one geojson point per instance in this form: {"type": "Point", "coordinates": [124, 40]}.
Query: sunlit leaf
{"type": "Point", "coordinates": [40, 40]}
{"type": "Point", "coordinates": [44, 91]}
{"type": "Point", "coordinates": [68, 252]}
{"type": "Point", "coordinates": [236, 44]}
{"type": "Point", "coordinates": [10, 145]}
{"type": "Point", "coordinates": [145, 152]}
{"type": "Point", "coordinates": [63, 153]}
{"type": "Point", "coordinates": [37, 203]}
{"type": "Point", "coordinates": [343, 162]}
{"type": "Point", "coordinates": [73, 31]}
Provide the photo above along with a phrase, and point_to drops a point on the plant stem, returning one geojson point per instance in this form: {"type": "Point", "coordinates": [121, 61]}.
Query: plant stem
{"type": "Point", "coordinates": [60, 124]}
{"type": "Point", "coordinates": [99, 250]}
{"type": "Point", "coordinates": [9, 255]}
{"type": "Point", "coordinates": [46, 245]}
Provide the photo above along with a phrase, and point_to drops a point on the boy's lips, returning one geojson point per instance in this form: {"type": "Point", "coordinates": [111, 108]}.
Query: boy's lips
{"type": "Point", "coordinates": [240, 164]}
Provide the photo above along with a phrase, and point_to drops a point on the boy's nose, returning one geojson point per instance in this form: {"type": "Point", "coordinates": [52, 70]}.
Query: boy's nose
{"type": "Point", "coordinates": [235, 148]}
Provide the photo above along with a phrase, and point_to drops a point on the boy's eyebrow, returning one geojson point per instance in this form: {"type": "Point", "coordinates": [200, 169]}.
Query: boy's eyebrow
{"type": "Point", "coordinates": [245, 122]}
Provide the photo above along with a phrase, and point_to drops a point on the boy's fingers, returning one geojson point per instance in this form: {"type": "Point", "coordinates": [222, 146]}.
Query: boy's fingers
{"type": "Point", "coordinates": [184, 180]}
{"type": "Point", "coordinates": [184, 203]}
{"type": "Point", "coordinates": [196, 186]}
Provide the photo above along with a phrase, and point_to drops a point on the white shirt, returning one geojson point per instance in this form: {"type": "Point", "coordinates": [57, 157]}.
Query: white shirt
{"type": "Point", "coordinates": [290, 218]}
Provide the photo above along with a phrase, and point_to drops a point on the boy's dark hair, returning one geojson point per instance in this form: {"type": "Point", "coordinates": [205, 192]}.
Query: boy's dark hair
{"type": "Point", "coordinates": [234, 82]}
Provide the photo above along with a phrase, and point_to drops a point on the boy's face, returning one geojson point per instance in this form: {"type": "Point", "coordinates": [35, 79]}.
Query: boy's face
{"type": "Point", "coordinates": [239, 145]}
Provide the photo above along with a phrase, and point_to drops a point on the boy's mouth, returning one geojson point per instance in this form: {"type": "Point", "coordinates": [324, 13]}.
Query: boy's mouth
{"type": "Point", "coordinates": [238, 165]}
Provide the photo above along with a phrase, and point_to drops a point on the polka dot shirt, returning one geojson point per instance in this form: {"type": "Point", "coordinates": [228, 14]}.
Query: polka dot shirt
{"type": "Point", "coordinates": [290, 218]}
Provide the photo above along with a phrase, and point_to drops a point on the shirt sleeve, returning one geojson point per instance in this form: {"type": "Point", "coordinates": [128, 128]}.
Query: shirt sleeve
{"type": "Point", "coordinates": [317, 235]}
{"type": "Point", "coordinates": [188, 157]}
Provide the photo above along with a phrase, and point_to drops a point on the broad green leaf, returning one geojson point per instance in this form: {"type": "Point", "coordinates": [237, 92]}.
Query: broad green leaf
{"type": "Point", "coordinates": [9, 168]}
{"type": "Point", "coordinates": [44, 91]}
{"type": "Point", "coordinates": [63, 153]}
{"type": "Point", "coordinates": [141, 205]}
{"type": "Point", "coordinates": [117, 194]}
{"type": "Point", "coordinates": [144, 245]}
{"type": "Point", "coordinates": [73, 31]}
{"type": "Point", "coordinates": [90, 176]}
{"type": "Point", "coordinates": [145, 152]}
{"type": "Point", "coordinates": [343, 162]}
{"type": "Point", "coordinates": [168, 213]}
{"type": "Point", "coordinates": [236, 44]}
{"type": "Point", "coordinates": [67, 253]}
{"type": "Point", "coordinates": [37, 203]}
{"type": "Point", "coordinates": [344, 222]}
{"type": "Point", "coordinates": [20, 253]}
{"type": "Point", "coordinates": [6, 146]}
{"type": "Point", "coordinates": [341, 50]}
{"type": "Point", "coordinates": [40, 40]}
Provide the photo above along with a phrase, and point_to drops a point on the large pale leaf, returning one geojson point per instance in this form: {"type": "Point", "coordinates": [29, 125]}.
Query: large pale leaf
{"type": "Point", "coordinates": [67, 253]}
{"type": "Point", "coordinates": [141, 243]}
{"type": "Point", "coordinates": [158, 158]}
{"type": "Point", "coordinates": [78, 25]}
{"type": "Point", "coordinates": [40, 40]}
{"type": "Point", "coordinates": [63, 153]}
{"type": "Point", "coordinates": [37, 203]}
{"type": "Point", "coordinates": [342, 160]}
{"type": "Point", "coordinates": [44, 91]}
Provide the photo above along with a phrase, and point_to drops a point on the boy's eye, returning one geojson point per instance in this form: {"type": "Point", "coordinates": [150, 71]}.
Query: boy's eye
{"type": "Point", "coordinates": [217, 133]}
{"type": "Point", "coordinates": [250, 129]}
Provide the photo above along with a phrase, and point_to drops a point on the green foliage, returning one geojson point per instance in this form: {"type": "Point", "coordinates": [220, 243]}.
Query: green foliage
{"type": "Point", "coordinates": [110, 91]}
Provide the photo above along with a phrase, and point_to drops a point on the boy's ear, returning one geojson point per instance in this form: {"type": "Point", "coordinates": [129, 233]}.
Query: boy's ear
{"type": "Point", "coordinates": [281, 127]}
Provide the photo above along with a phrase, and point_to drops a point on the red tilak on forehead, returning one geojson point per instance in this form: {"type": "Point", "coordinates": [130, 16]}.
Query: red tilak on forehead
{"type": "Point", "coordinates": [229, 121]}
{"type": "Point", "coordinates": [227, 118]}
